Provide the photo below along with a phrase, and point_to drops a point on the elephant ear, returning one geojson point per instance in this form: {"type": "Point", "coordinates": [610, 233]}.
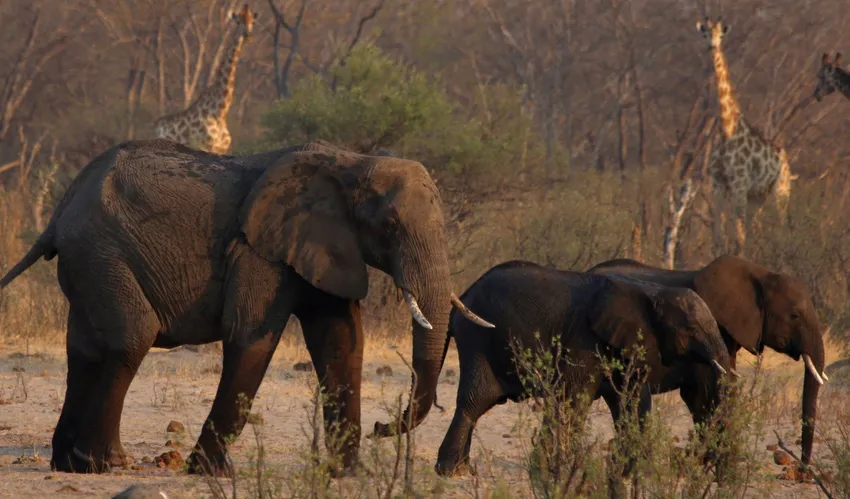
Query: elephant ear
{"type": "Point", "coordinates": [733, 294]}
{"type": "Point", "coordinates": [297, 214]}
{"type": "Point", "coordinates": [617, 312]}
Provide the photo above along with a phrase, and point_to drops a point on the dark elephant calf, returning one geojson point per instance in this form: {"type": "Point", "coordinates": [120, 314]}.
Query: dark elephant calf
{"type": "Point", "coordinates": [588, 314]}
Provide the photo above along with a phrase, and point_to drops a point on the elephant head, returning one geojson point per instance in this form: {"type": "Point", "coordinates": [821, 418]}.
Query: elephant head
{"type": "Point", "coordinates": [677, 318]}
{"type": "Point", "coordinates": [759, 308]}
{"type": "Point", "coordinates": [329, 213]}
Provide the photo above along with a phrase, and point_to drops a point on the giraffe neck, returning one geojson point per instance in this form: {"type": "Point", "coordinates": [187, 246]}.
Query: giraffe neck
{"type": "Point", "coordinates": [730, 112]}
{"type": "Point", "coordinates": [221, 91]}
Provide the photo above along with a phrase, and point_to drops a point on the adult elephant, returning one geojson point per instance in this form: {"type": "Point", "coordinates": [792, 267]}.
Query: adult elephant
{"type": "Point", "coordinates": [754, 308]}
{"type": "Point", "coordinates": [161, 245]}
{"type": "Point", "coordinates": [590, 315]}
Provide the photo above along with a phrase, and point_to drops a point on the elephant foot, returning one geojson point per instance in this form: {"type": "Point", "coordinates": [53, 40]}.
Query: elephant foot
{"type": "Point", "coordinates": [198, 464]}
{"type": "Point", "coordinates": [452, 469]}
{"type": "Point", "coordinates": [78, 461]}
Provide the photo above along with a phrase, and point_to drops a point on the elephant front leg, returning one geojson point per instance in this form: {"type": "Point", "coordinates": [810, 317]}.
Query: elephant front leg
{"type": "Point", "coordinates": [333, 333]}
{"type": "Point", "coordinates": [478, 391]}
{"type": "Point", "coordinates": [244, 366]}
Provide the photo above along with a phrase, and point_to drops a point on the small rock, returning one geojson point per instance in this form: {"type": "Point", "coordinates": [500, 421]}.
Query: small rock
{"type": "Point", "coordinates": [255, 418]}
{"type": "Point", "coordinates": [772, 447]}
{"type": "Point", "coordinates": [175, 427]}
{"type": "Point", "coordinates": [147, 459]}
{"type": "Point", "coordinates": [303, 366]}
{"type": "Point", "coordinates": [451, 373]}
{"type": "Point", "coordinates": [675, 439]}
{"type": "Point", "coordinates": [506, 435]}
{"type": "Point", "coordinates": [171, 459]}
{"type": "Point", "coordinates": [781, 458]}
{"type": "Point", "coordinates": [68, 488]}
{"type": "Point", "coordinates": [49, 477]}
{"type": "Point", "coordinates": [384, 371]}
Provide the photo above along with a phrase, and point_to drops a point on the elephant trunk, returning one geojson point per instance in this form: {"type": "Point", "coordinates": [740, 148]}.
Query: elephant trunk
{"type": "Point", "coordinates": [425, 284]}
{"type": "Point", "coordinates": [814, 360]}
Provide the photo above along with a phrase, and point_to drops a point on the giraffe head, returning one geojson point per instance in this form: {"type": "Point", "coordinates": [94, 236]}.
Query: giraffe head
{"type": "Point", "coordinates": [832, 77]}
{"type": "Point", "coordinates": [713, 32]}
{"type": "Point", "coordinates": [245, 19]}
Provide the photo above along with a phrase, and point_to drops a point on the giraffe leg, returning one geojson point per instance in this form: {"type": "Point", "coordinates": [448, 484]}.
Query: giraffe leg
{"type": "Point", "coordinates": [755, 220]}
{"type": "Point", "coordinates": [718, 218]}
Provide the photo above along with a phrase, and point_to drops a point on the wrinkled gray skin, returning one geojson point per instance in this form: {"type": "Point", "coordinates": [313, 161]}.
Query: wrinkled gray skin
{"type": "Point", "coordinates": [754, 308]}
{"type": "Point", "coordinates": [590, 314]}
{"type": "Point", "coordinates": [161, 245]}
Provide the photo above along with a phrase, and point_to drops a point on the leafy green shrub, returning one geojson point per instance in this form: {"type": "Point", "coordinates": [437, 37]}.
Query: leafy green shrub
{"type": "Point", "coordinates": [374, 101]}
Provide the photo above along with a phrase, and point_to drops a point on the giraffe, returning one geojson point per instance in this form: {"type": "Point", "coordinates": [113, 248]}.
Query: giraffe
{"type": "Point", "coordinates": [832, 77]}
{"type": "Point", "coordinates": [203, 125]}
{"type": "Point", "coordinates": [745, 168]}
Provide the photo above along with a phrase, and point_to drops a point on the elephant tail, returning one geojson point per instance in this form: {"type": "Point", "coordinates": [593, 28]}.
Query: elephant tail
{"type": "Point", "coordinates": [43, 247]}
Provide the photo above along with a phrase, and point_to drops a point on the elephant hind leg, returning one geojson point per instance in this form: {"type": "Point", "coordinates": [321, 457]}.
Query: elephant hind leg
{"type": "Point", "coordinates": [84, 368]}
{"type": "Point", "coordinates": [124, 328]}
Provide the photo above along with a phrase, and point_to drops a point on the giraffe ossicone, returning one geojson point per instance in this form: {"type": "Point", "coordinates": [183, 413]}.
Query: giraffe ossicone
{"type": "Point", "coordinates": [203, 124]}
{"type": "Point", "coordinates": [832, 78]}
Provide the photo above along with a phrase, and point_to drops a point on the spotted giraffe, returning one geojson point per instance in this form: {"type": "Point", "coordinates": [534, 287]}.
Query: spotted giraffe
{"type": "Point", "coordinates": [745, 168]}
{"type": "Point", "coordinates": [203, 125]}
{"type": "Point", "coordinates": [832, 77]}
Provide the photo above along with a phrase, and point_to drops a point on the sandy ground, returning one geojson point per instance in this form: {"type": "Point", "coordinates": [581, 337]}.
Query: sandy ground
{"type": "Point", "coordinates": [179, 385]}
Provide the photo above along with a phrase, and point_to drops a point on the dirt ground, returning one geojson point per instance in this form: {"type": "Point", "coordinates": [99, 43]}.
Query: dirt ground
{"type": "Point", "coordinates": [179, 386]}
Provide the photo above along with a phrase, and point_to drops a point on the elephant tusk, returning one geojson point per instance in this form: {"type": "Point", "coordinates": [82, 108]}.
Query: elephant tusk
{"type": "Point", "coordinates": [824, 376]}
{"type": "Point", "coordinates": [811, 367]}
{"type": "Point", "coordinates": [718, 366]}
{"type": "Point", "coordinates": [734, 373]}
{"type": "Point", "coordinates": [468, 313]}
{"type": "Point", "coordinates": [416, 311]}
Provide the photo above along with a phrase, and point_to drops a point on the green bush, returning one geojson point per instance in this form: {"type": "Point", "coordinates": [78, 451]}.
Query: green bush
{"type": "Point", "coordinates": [373, 102]}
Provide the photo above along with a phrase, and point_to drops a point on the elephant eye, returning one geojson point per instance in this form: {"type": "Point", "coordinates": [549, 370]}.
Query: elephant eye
{"type": "Point", "coordinates": [794, 316]}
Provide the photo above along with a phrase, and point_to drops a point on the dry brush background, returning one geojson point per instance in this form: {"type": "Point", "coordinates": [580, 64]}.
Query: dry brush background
{"type": "Point", "coordinates": [579, 116]}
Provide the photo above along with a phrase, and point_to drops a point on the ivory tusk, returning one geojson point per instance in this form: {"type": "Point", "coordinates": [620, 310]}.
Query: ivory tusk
{"type": "Point", "coordinates": [811, 367]}
{"type": "Point", "coordinates": [416, 311]}
{"type": "Point", "coordinates": [734, 373]}
{"type": "Point", "coordinates": [824, 376]}
{"type": "Point", "coordinates": [718, 366]}
{"type": "Point", "coordinates": [468, 313]}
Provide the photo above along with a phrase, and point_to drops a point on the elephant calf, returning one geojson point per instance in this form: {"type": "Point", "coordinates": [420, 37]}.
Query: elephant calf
{"type": "Point", "coordinates": [589, 314]}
